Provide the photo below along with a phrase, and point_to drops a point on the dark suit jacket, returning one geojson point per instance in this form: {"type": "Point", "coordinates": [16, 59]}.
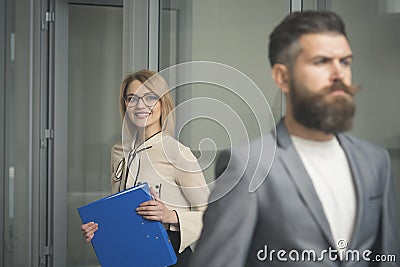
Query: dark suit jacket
{"type": "Point", "coordinates": [285, 213]}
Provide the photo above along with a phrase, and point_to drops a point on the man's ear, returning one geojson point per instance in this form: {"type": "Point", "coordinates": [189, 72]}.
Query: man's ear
{"type": "Point", "coordinates": [280, 74]}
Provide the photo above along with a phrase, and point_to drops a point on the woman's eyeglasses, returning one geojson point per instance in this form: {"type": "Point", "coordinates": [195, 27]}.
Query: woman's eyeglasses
{"type": "Point", "coordinates": [149, 100]}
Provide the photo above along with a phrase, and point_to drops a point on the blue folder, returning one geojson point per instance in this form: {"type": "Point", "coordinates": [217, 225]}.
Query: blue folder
{"type": "Point", "coordinates": [125, 238]}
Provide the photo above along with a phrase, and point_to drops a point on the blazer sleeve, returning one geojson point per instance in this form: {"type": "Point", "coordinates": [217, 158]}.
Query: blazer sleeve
{"type": "Point", "coordinates": [195, 189]}
{"type": "Point", "coordinates": [229, 222]}
{"type": "Point", "coordinates": [389, 236]}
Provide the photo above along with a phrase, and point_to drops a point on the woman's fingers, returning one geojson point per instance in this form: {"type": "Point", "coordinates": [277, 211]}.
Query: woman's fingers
{"type": "Point", "coordinates": [151, 210]}
{"type": "Point", "coordinates": [86, 225]}
{"type": "Point", "coordinates": [150, 203]}
{"type": "Point", "coordinates": [156, 211]}
{"type": "Point", "coordinates": [89, 238]}
{"type": "Point", "coordinates": [153, 218]}
{"type": "Point", "coordinates": [89, 227]}
{"type": "Point", "coordinates": [88, 230]}
{"type": "Point", "coordinates": [152, 214]}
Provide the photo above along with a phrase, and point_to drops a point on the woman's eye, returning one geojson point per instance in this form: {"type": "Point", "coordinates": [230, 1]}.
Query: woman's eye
{"type": "Point", "coordinates": [152, 97]}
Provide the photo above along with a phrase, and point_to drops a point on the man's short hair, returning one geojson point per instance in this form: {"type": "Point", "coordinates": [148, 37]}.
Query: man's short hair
{"type": "Point", "coordinates": [285, 36]}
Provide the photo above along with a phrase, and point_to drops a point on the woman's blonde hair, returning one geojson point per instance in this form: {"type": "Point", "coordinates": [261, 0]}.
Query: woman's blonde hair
{"type": "Point", "coordinates": [155, 83]}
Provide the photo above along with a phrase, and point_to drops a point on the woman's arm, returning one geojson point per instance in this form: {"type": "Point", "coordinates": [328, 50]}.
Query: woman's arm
{"type": "Point", "coordinates": [190, 178]}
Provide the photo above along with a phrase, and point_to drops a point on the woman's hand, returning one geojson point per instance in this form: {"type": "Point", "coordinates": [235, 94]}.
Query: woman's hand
{"type": "Point", "coordinates": [88, 230]}
{"type": "Point", "coordinates": [155, 210]}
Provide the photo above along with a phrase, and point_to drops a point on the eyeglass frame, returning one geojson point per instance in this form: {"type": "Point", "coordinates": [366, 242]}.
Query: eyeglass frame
{"type": "Point", "coordinates": [141, 98]}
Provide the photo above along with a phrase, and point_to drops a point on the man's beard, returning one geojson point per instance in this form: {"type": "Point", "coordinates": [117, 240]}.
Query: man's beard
{"type": "Point", "coordinates": [329, 114]}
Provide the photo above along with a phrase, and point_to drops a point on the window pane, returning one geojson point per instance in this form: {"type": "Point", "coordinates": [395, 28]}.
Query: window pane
{"type": "Point", "coordinates": [95, 71]}
{"type": "Point", "coordinates": [232, 32]}
{"type": "Point", "coordinates": [17, 232]}
{"type": "Point", "coordinates": [376, 68]}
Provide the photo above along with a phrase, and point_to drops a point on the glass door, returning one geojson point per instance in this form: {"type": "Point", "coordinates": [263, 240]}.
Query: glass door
{"type": "Point", "coordinates": [25, 148]}
{"type": "Point", "coordinates": [96, 43]}
{"type": "Point", "coordinates": [230, 35]}
{"type": "Point", "coordinates": [95, 73]}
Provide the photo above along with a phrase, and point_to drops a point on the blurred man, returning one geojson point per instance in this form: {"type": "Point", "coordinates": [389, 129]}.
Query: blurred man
{"type": "Point", "coordinates": [328, 198]}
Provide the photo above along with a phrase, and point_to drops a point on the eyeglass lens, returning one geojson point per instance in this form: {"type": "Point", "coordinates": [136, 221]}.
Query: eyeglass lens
{"type": "Point", "coordinates": [148, 99]}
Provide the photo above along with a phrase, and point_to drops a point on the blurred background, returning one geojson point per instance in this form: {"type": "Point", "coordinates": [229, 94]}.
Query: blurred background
{"type": "Point", "coordinates": [61, 65]}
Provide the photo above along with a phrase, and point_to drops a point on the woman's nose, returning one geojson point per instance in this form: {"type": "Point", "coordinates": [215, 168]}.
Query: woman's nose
{"type": "Point", "coordinates": [141, 103]}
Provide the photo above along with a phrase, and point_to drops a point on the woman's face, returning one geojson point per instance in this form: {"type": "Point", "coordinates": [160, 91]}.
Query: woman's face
{"type": "Point", "coordinates": [143, 108]}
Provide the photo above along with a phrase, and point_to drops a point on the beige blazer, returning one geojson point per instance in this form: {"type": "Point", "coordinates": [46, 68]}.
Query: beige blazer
{"type": "Point", "coordinates": [173, 172]}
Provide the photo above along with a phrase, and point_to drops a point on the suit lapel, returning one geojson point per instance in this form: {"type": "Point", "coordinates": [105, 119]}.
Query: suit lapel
{"type": "Point", "coordinates": [357, 172]}
{"type": "Point", "coordinates": [298, 174]}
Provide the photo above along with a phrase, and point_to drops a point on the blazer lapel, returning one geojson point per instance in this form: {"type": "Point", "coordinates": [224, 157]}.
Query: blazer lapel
{"type": "Point", "coordinates": [357, 172]}
{"type": "Point", "coordinates": [297, 172]}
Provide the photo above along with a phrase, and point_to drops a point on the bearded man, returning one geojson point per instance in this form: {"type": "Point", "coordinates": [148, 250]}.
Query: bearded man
{"type": "Point", "coordinates": [327, 198]}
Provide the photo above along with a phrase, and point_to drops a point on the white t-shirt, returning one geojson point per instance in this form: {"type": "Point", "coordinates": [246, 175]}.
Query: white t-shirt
{"type": "Point", "coordinates": [329, 170]}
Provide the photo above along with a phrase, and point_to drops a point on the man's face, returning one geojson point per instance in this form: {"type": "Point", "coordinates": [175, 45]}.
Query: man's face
{"type": "Point", "coordinates": [320, 83]}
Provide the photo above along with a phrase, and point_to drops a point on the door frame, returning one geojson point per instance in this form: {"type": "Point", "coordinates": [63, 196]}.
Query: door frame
{"type": "Point", "coordinates": [135, 57]}
{"type": "Point", "coordinates": [2, 120]}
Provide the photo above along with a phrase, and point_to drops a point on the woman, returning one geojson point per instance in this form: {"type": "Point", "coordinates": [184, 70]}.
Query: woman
{"type": "Point", "coordinates": [150, 154]}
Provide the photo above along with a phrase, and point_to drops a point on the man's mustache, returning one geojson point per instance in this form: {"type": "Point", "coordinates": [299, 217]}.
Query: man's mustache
{"type": "Point", "coordinates": [339, 85]}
